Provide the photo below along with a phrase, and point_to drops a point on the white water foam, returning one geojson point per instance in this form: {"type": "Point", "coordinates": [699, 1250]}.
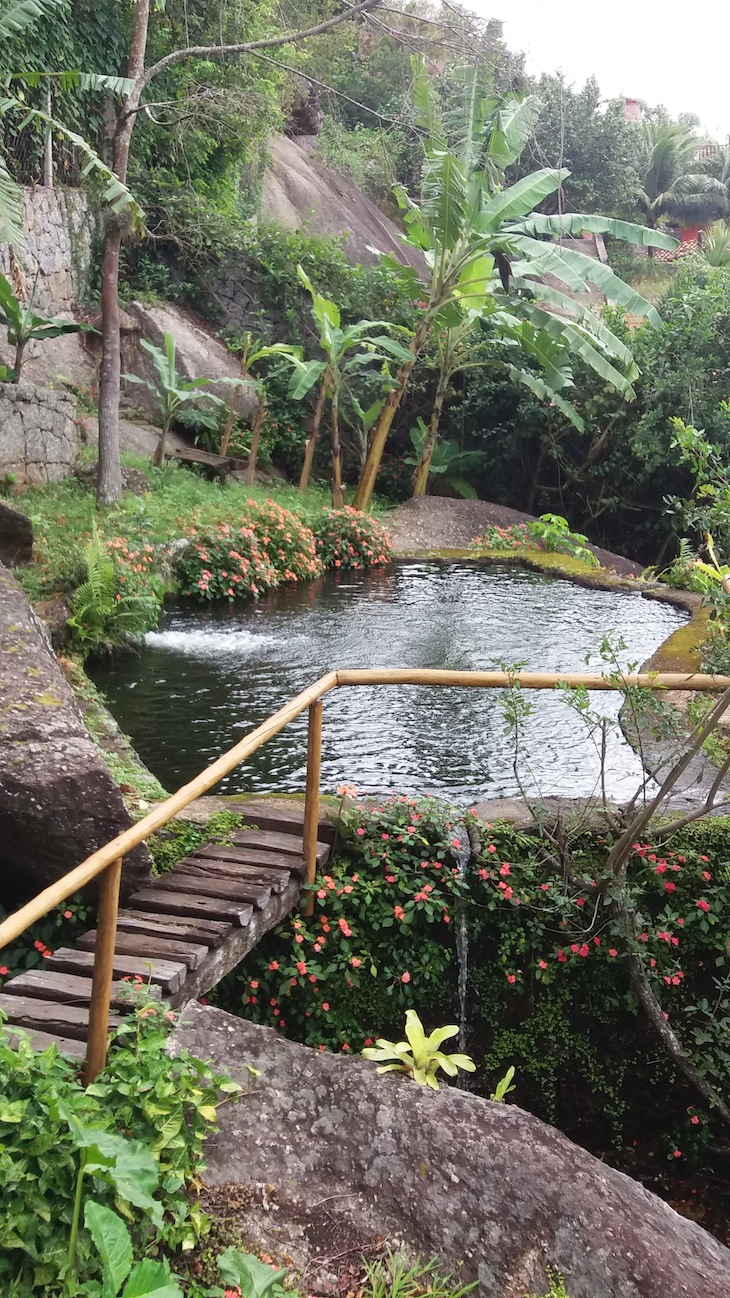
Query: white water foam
{"type": "Point", "coordinates": [204, 643]}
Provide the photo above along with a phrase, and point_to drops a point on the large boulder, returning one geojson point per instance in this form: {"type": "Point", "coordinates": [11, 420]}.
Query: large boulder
{"type": "Point", "coordinates": [199, 355]}
{"type": "Point", "coordinates": [16, 536]}
{"type": "Point", "coordinates": [58, 802]}
{"type": "Point", "coordinates": [445, 1174]}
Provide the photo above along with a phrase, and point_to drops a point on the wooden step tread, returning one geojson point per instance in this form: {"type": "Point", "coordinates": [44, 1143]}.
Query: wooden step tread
{"type": "Point", "coordinates": [192, 880]}
{"type": "Point", "coordinates": [161, 901]}
{"type": "Point", "coordinates": [210, 933]}
{"type": "Point", "coordinates": [291, 844]}
{"type": "Point", "coordinates": [53, 986]}
{"type": "Point", "coordinates": [150, 945]}
{"type": "Point", "coordinates": [56, 1017]}
{"type": "Point", "coordinates": [275, 880]}
{"type": "Point", "coordinates": [257, 857]}
{"type": "Point", "coordinates": [168, 975]}
{"type": "Point", "coordinates": [42, 1040]}
{"type": "Point", "coordinates": [264, 814]}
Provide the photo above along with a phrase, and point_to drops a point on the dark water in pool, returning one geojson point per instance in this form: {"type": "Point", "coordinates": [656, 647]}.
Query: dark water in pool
{"type": "Point", "coordinates": [209, 675]}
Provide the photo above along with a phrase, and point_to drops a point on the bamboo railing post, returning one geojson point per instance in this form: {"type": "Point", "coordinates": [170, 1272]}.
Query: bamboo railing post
{"type": "Point", "coordinates": [101, 988]}
{"type": "Point", "coordinates": [311, 801]}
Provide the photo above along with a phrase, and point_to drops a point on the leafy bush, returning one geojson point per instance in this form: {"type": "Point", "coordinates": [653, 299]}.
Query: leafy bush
{"type": "Point", "coordinates": [548, 532]}
{"type": "Point", "coordinates": [395, 478]}
{"type": "Point", "coordinates": [50, 1124]}
{"type": "Point", "coordinates": [59, 928]}
{"type": "Point", "coordinates": [286, 541]}
{"type": "Point", "coordinates": [226, 563]}
{"type": "Point", "coordinates": [120, 598]}
{"type": "Point", "coordinates": [347, 538]}
{"type": "Point", "coordinates": [509, 539]}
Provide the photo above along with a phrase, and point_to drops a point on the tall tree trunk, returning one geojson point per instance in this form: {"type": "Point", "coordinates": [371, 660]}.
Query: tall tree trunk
{"type": "Point", "coordinates": [338, 495]}
{"type": "Point", "coordinates": [253, 454]}
{"type": "Point", "coordinates": [420, 477]}
{"type": "Point", "coordinates": [314, 433]}
{"type": "Point", "coordinates": [109, 490]}
{"type": "Point", "coordinates": [366, 485]}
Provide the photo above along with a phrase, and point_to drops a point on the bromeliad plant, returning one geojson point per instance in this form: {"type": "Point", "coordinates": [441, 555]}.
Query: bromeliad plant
{"type": "Point", "coordinates": [419, 1056]}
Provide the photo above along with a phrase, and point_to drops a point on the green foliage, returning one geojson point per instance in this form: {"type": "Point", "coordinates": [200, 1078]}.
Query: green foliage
{"type": "Point", "coordinates": [24, 325]}
{"type": "Point", "coordinates": [396, 1276]}
{"type": "Point", "coordinates": [549, 532]}
{"type": "Point", "coordinates": [60, 927]}
{"type": "Point", "coordinates": [180, 838]}
{"type": "Point", "coordinates": [120, 598]}
{"type": "Point", "coordinates": [368, 157]}
{"type": "Point", "coordinates": [251, 1277]}
{"type": "Point", "coordinates": [556, 1288]}
{"type": "Point", "coordinates": [420, 1057]}
{"type": "Point", "coordinates": [138, 1131]}
{"type": "Point", "coordinates": [347, 538]}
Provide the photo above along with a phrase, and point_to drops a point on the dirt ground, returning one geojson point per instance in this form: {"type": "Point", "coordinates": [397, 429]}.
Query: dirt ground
{"type": "Point", "coordinates": [440, 523]}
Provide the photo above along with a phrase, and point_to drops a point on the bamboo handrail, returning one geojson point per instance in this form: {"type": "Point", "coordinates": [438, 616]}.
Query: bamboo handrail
{"type": "Point", "coordinates": [34, 910]}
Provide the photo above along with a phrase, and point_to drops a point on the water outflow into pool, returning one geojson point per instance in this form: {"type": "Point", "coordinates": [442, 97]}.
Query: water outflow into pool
{"type": "Point", "coordinates": [462, 856]}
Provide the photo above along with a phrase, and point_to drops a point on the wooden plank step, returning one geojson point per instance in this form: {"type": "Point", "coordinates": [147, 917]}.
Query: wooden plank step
{"type": "Point", "coordinates": [210, 933]}
{"type": "Point", "coordinates": [161, 901]}
{"type": "Point", "coordinates": [288, 843]}
{"type": "Point", "coordinates": [255, 856]}
{"type": "Point", "coordinates": [56, 1017]}
{"type": "Point", "coordinates": [276, 880]}
{"type": "Point", "coordinates": [53, 986]}
{"type": "Point", "coordinates": [42, 1040]}
{"type": "Point", "coordinates": [168, 975]}
{"type": "Point", "coordinates": [193, 881]}
{"type": "Point", "coordinates": [150, 946]}
{"type": "Point", "coordinates": [282, 818]}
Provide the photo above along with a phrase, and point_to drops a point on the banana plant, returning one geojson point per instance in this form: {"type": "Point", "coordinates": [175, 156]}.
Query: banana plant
{"type": "Point", "coordinates": [419, 1056]}
{"type": "Point", "coordinates": [170, 390]}
{"type": "Point", "coordinates": [24, 325]}
{"type": "Point", "coordinates": [348, 352]}
{"type": "Point", "coordinates": [445, 459]}
{"type": "Point", "coordinates": [253, 351]}
{"type": "Point", "coordinates": [487, 250]}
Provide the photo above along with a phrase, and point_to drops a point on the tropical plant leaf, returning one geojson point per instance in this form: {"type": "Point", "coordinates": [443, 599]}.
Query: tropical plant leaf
{"type": "Point", "coordinates": [571, 224]}
{"type": "Point", "coordinates": [567, 265]}
{"type": "Point", "coordinates": [15, 17]}
{"type": "Point", "coordinates": [151, 1279]}
{"type": "Point", "coordinates": [11, 210]}
{"type": "Point", "coordinates": [113, 1243]}
{"type": "Point", "coordinates": [540, 388]}
{"type": "Point", "coordinates": [519, 199]}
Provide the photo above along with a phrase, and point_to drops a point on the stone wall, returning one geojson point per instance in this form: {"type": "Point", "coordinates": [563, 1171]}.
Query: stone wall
{"type": "Point", "coordinates": [59, 228]}
{"type": "Point", "coordinates": [39, 436]}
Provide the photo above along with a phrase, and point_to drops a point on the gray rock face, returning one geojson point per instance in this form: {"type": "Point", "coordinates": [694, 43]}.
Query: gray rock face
{"type": "Point", "coordinates": [58, 802]}
{"type": "Point", "coordinates": [199, 356]}
{"type": "Point", "coordinates": [16, 536]}
{"type": "Point", "coordinates": [442, 1173]}
{"type": "Point", "coordinates": [40, 439]}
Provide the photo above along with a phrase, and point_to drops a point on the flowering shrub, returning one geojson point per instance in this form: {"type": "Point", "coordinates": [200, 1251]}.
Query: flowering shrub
{"type": "Point", "coordinates": [121, 596]}
{"type": "Point", "coordinates": [285, 540]}
{"type": "Point", "coordinates": [347, 538]}
{"type": "Point", "coordinates": [226, 563]}
{"type": "Point", "coordinates": [548, 988]}
{"type": "Point", "coordinates": [511, 539]}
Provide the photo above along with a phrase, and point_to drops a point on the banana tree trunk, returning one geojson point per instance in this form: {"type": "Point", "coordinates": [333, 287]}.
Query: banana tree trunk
{"type": "Point", "coordinates": [109, 489]}
{"type": "Point", "coordinates": [158, 459]}
{"type": "Point", "coordinates": [226, 434]}
{"type": "Point", "coordinates": [338, 495]}
{"type": "Point", "coordinates": [253, 454]}
{"type": "Point", "coordinates": [18, 363]}
{"type": "Point", "coordinates": [423, 469]}
{"type": "Point", "coordinates": [314, 433]}
{"type": "Point", "coordinates": [366, 485]}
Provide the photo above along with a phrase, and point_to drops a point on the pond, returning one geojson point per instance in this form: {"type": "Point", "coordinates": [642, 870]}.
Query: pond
{"type": "Point", "coordinates": [210, 674]}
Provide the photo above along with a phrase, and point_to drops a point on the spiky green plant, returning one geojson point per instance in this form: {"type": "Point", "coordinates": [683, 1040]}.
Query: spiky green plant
{"type": "Point", "coordinates": [103, 613]}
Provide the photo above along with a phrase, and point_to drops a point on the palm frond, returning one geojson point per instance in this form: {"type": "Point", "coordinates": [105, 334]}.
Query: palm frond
{"type": "Point", "coordinates": [11, 209]}
{"type": "Point", "coordinates": [572, 224]}
{"type": "Point", "coordinates": [541, 389]}
{"type": "Point", "coordinates": [14, 18]}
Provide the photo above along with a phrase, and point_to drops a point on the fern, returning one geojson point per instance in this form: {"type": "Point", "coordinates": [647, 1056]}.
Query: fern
{"type": "Point", "coordinates": [103, 613]}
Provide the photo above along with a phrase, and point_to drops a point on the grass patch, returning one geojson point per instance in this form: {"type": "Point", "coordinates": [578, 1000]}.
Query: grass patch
{"type": "Point", "coordinates": [179, 838]}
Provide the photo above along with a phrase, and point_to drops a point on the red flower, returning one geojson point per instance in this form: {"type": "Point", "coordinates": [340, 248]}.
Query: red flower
{"type": "Point", "coordinates": [399, 912]}
{"type": "Point", "coordinates": [670, 887]}
{"type": "Point", "coordinates": [3, 970]}
{"type": "Point", "coordinates": [703, 905]}
{"type": "Point", "coordinates": [542, 964]}
{"type": "Point", "coordinates": [405, 976]}
{"type": "Point", "coordinates": [511, 978]}
{"type": "Point", "coordinates": [612, 951]}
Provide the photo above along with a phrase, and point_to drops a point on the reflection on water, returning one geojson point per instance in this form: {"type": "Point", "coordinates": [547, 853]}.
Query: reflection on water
{"type": "Point", "coordinates": [209, 675]}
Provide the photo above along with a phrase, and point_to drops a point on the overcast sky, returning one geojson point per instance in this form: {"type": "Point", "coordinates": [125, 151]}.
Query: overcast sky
{"type": "Point", "coordinates": [663, 51]}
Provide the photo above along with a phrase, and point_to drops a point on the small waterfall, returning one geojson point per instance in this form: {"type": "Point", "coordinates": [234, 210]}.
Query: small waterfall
{"type": "Point", "coordinates": [462, 856]}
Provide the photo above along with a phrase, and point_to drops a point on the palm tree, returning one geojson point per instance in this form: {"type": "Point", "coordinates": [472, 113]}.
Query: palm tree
{"type": "Point", "coordinates": [673, 182]}
{"type": "Point", "coordinates": [489, 252]}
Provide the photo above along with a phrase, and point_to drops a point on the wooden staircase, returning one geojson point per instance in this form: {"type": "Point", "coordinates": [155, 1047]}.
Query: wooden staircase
{"type": "Point", "coordinates": [182, 932]}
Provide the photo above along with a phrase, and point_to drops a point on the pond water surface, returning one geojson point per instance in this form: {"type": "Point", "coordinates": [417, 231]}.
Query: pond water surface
{"type": "Point", "coordinates": [211, 674]}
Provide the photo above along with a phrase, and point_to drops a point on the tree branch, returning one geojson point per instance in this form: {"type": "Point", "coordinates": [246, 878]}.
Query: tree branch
{"type": "Point", "coordinates": [248, 47]}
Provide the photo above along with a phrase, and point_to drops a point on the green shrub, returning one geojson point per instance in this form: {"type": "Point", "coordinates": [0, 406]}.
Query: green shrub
{"type": "Point", "coordinates": [226, 563]}
{"type": "Point", "coordinates": [169, 1105]}
{"type": "Point", "coordinates": [347, 538]}
{"type": "Point", "coordinates": [286, 541]}
{"type": "Point", "coordinates": [120, 598]}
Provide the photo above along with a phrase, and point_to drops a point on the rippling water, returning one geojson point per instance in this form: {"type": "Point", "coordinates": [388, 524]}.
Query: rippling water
{"type": "Point", "coordinates": [209, 675]}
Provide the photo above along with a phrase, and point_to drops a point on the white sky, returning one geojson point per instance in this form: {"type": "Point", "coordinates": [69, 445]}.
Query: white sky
{"type": "Point", "coordinates": [667, 52]}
